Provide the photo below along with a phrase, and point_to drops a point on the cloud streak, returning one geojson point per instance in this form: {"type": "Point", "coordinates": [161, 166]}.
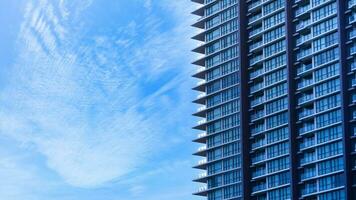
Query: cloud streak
{"type": "Point", "coordinates": [96, 106]}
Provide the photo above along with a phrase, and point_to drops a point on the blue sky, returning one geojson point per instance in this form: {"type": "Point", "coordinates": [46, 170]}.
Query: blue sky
{"type": "Point", "coordinates": [95, 100]}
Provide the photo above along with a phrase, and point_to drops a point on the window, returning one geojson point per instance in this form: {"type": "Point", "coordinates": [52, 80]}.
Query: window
{"type": "Point", "coordinates": [327, 87]}
{"type": "Point", "coordinates": [274, 34]}
{"type": "Point", "coordinates": [215, 195]}
{"type": "Point", "coordinates": [212, 22]}
{"type": "Point", "coordinates": [326, 57]}
{"type": "Point", "coordinates": [212, 35]}
{"type": "Point", "coordinates": [326, 72]}
{"type": "Point", "coordinates": [231, 163]}
{"type": "Point", "coordinates": [325, 26]}
{"type": "Point", "coordinates": [232, 191]}
{"type": "Point", "coordinates": [276, 91]}
{"type": "Point", "coordinates": [276, 76]}
{"type": "Point", "coordinates": [329, 134]}
{"type": "Point", "coordinates": [277, 149]}
{"type": "Point", "coordinates": [273, 6]}
{"type": "Point", "coordinates": [334, 195]}
{"type": "Point", "coordinates": [275, 62]}
{"type": "Point", "coordinates": [278, 164]}
{"type": "Point", "coordinates": [277, 135]}
{"type": "Point", "coordinates": [231, 149]}
{"type": "Point", "coordinates": [229, 27]}
{"type": "Point", "coordinates": [329, 166]}
{"type": "Point", "coordinates": [229, 13]}
{"type": "Point", "coordinates": [232, 177]}
{"type": "Point", "coordinates": [327, 103]}
{"type": "Point", "coordinates": [277, 105]}
{"type": "Point", "coordinates": [324, 11]}
{"type": "Point", "coordinates": [276, 120]}
{"type": "Point", "coordinates": [274, 48]}
{"type": "Point", "coordinates": [328, 118]}
{"type": "Point", "coordinates": [274, 20]}
{"type": "Point", "coordinates": [224, 96]}
{"type": "Point", "coordinates": [281, 193]}
{"type": "Point", "coordinates": [215, 181]}
{"type": "Point", "coordinates": [329, 150]}
{"type": "Point", "coordinates": [325, 41]}
{"type": "Point", "coordinates": [330, 182]}
{"type": "Point", "coordinates": [278, 179]}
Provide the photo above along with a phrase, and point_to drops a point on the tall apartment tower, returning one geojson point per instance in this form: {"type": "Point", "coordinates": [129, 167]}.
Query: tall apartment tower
{"type": "Point", "coordinates": [278, 99]}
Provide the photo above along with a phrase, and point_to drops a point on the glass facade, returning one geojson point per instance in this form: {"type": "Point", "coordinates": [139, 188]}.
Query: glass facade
{"type": "Point", "coordinates": [220, 100]}
{"type": "Point", "coordinates": [278, 99]}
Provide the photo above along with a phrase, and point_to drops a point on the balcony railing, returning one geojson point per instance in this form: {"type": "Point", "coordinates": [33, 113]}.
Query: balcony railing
{"type": "Point", "coordinates": [305, 98]}
{"type": "Point", "coordinates": [201, 135]}
{"type": "Point", "coordinates": [305, 83]}
{"type": "Point", "coordinates": [306, 128]}
{"type": "Point", "coordinates": [303, 24]}
{"type": "Point", "coordinates": [256, 87]}
{"type": "Point", "coordinates": [303, 38]}
{"type": "Point", "coordinates": [306, 144]}
{"type": "Point", "coordinates": [302, 10]}
{"type": "Point", "coordinates": [259, 187]}
{"type": "Point", "coordinates": [306, 113]}
{"type": "Point", "coordinates": [254, 4]}
{"type": "Point", "coordinates": [258, 173]}
{"type": "Point", "coordinates": [302, 68]}
{"type": "Point", "coordinates": [304, 53]}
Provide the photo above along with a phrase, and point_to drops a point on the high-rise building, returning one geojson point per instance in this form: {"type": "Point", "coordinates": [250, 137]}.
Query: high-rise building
{"type": "Point", "coordinates": [278, 99]}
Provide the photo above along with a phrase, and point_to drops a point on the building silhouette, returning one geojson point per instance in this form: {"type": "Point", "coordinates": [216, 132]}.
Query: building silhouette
{"type": "Point", "coordinates": [277, 99]}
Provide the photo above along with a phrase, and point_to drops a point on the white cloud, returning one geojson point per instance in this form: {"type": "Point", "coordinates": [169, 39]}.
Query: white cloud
{"type": "Point", "coordinates": [78, 102]}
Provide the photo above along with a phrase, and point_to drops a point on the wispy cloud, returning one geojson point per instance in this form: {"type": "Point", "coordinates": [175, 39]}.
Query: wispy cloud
{"type": "Point", "coordinates": [78, 97]}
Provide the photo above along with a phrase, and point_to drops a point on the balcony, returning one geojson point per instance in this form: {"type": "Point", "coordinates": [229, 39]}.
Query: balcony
{"type": "Point", "coordinates": [256, 73]}
{"type": "Point", "coordinates": [202, 178]}
{"type": "Point", "coordinates": [304, 53]}
{"type": "Point", "coordinates": [352, 18]}
{"type": "Point", "coordinates": [306, 128]}
{"type": "Point", "coordinates": [259, 172]}
{"type": "Point", "coordinates": [302, 10]}
{"type": "Point", "coordinates": [255, 59]}
{"type": "Point", "coordinates": [305, 98]}
{"type": "Point", "coordinates": [256, 87]}
{"type": "Point", "coordinates": [201, 164]}
{"type": "Point", "coordinates": [200, 86]}
{"type": "Point", "coordinates": [305, 83]}
{"type": "Point", "coordinates": [304, 67]}
{"type": "Point", "coordinates": [255, 18]}
{"type": "Point", "coordinates": [259, 187]}
{"type": "Point", "coordinates": [306, 113]}
{"type": "Point", "coordinates": [257, 101]}
{"type": "Point", "coordinates": [303, 24]}
{"type": "Point", "coordinates": [309, 189]}
{"type": "Point", "coordinates": [201, 125]}
{"type": "Point", "coordinates": [200, 98]}
{"type": "Point", "coordinates": [307, 143]}
{"type": "Point", "coordinates": [258, 144]}
{"type": "Point", "coordinates": [351, 3]}
{"type": "Point", "coordinates": [201, 151]}
{"type": "Point", "coordinates": [257, 115]}
{"type": "Point", "coordinates": [310, 157]}
{"type": "Point", "coordinates": [309, 173]}
{"type": "Point", "coordinates": [255, 31]}
{"type": "Point", "coordinates": [201, 138]}
{"type": "Point", "coordinates": [303, 38]}
{"type": "Point", "coordinates": [257, 129]}
{"type": "Point", "coordinates": [202, 191]}
{"type": "Point", "coordinates": [260, 157]}
{"type": "Point", "coordinates": [200, 73]}
{"type": "Point", "coordinates": [256, 45]}
{"type": "Point", "coordinates": [254, 4]}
